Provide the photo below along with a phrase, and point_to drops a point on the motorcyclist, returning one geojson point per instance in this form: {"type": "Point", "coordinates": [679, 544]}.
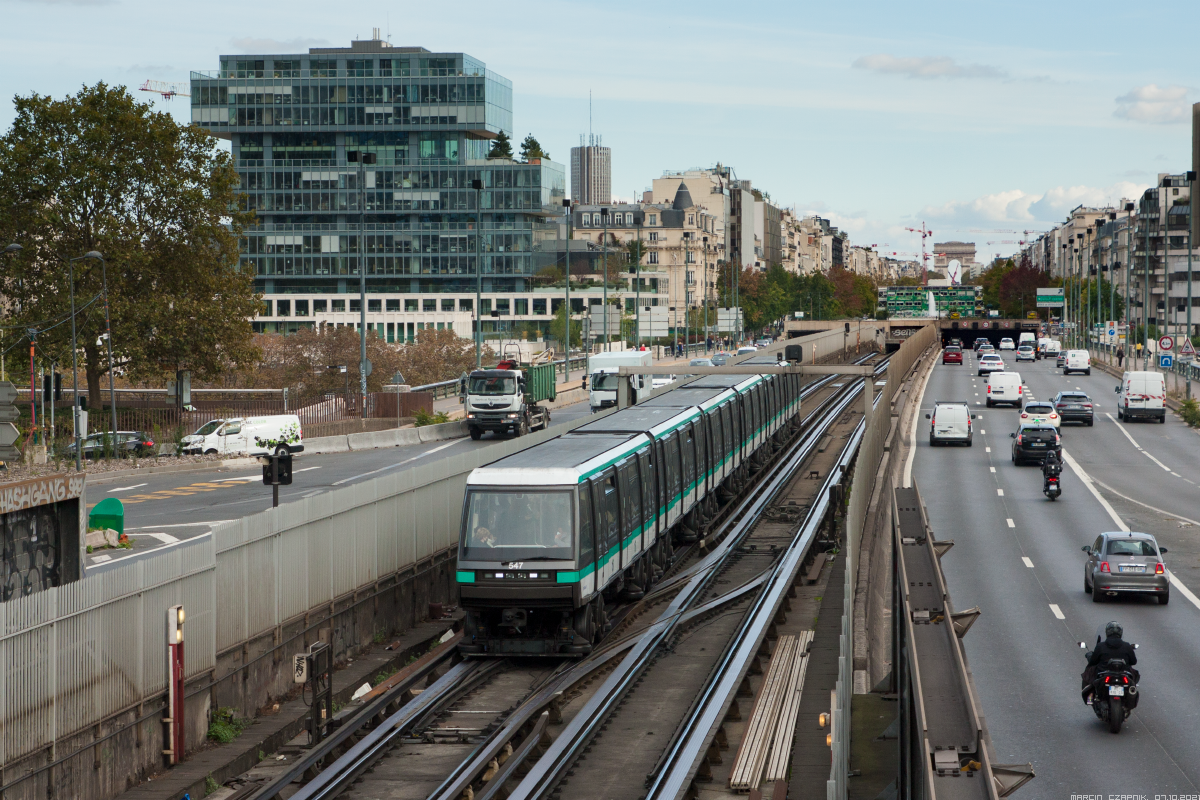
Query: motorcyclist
{"type": "Point", "coordinates": [1051, 468]}
{"type": "Point", "coordinates": [1112, 647]}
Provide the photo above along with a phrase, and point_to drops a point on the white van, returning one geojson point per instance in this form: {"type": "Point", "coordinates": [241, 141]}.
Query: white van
{"type": "Point", "coordinates": [1053, 348]}
{"type": "Point", "coordinates": [1043, 345]}
{"type": "Point", "coordinates": [950, 422]}
{"type": "Point", "coordinates": [242, 434]}
{"type": "Point", "coordinates": [1077, 361]}
{"type": "Point", "coordinates": [1029, 338]}
{"type": "Point", "coordinates": [1143, 394]}
{"type": "Point", "coordinates": [1004, 387]}
{"type": "Point", "coordinates": [603, 379]}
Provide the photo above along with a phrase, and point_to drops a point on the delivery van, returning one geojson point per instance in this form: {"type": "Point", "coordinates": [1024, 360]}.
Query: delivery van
{"type": "Point", "coordinates": [242, 435]}
{"type": "Point", "coordinates": [1142, 395]}
{"type": "Point", "coordinates": [1004, 387]}
{"type": "Point", "coordinates": [950, 422]}
{"type": "Point", "coordinates": [603, 378]}
{"type": "Point", "coordinates": [1027, 337]}
{"type": "Point", "coordinates": [1077, 361]}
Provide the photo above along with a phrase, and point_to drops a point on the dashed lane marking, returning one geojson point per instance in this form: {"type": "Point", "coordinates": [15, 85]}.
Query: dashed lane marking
{"type": "Point", "coordinates": [102, 559]}
{"type": "Point", "coordinates": [987, 450]}
{"type": "Point", "coordinates": [993, 469]}
{"type": "Point", "coordinates": [1011, 524]}
{"type": "Point", "coordinates": [1057, 611]}
{"type": "Point", "coordinates": [1028, 563]}
{"type": "Point", "coordinates": [165, 538]}
{"type": "Point", "coordinates": [1000, 493]}
{"type": "Point", "coordinates": [127, 488]}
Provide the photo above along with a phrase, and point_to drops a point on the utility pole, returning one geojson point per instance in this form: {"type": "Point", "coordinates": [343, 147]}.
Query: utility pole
{"type": "Point", "coordinates": [1191, 179]}
{"type": "Point", "coordinates": [477, 185]}
{"type": "Point", "coordinates": [567, 307]}
{"type": "Point", "coordinates": [637, 284]}
{"type": "Point", "coordinates": [363, 158]}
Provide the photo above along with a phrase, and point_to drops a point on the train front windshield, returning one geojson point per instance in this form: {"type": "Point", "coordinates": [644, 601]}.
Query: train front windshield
{"type": "Point", "coordinates": [517, 526]}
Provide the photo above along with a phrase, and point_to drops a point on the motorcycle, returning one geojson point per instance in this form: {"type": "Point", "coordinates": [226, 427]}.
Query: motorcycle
{"type": "Point", "coordinates": [1114, 689]}
{"type": "Point", "coordinates": [1052, 488]}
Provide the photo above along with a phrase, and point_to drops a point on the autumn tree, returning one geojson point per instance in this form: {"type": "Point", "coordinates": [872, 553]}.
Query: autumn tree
{"type": "Point", "coordinates": [100, 171]}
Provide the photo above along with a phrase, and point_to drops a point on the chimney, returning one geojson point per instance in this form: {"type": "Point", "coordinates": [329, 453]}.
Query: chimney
{"type": "Point", "coordinates": [375, 34]}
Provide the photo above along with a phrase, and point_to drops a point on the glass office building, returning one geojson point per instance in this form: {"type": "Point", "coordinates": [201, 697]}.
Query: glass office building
{"type": "Point", "coordinates": [297, 123]}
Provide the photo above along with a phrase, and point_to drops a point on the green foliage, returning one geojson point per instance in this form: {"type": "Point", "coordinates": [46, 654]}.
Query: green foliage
{"type": "Point", "coordinates": [502, 147]}
{"type": "Point", "coordinates": [530, 148]}
{"type": "Point", "coordinates": [226, 726]}
{"type": "Point", "coordinates": [210, 785]}
{"type": "Point", "coordinates": [424, 418]}
{"type": "Point", "coordinates": [384, 675]}
{"type": "Point", "coordinates": [766, 297]}
{"type": "Point", "coordinates": [636, 251]}
{"type": "Point", "coordinates": [558, 327]}
{"type": "Point", "coordinates": [101, 171]}
{"type": "Point", "coordinates": [381, 634]}
{"type": "Point", "coordinates": [1190, 411]}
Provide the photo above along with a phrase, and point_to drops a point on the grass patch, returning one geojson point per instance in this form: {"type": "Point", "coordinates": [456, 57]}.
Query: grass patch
{"type": "Point", "coordinates": [383, 676]}
{"type": "Point", "coordinates": [226, 725]}
{"type": "Point", "coordinates": [210, 785]}
{"type": "Point", "coordinates": [424, 418]}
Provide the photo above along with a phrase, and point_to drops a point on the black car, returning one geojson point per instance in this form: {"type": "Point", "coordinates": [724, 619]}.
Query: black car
{"type": "Point", "coordinates": [129, 443]}
{"type": "Point", "coordinates": [1074, 407]}
{"type": "Point", "coordinates": [1032, 442]}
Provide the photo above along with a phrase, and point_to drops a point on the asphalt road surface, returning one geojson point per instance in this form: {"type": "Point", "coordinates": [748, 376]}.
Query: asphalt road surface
{"type": "Point", "coordinates": [1017, 556]}
{"type": "Point", "coordinates": [163, 509]}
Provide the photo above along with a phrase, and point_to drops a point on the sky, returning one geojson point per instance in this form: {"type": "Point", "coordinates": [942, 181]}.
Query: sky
{"type": "Point", "coordinates": [982, 121]}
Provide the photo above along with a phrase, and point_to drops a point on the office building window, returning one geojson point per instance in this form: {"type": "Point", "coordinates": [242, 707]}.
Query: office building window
{"type": "Point", "coordinates": [391, 332]}
{"type": "Point", "coordinates": [374, 306]}
{"type": "Point", "coordinates": [355, 305]}
{"type": "Point", "coordinates": [410, 304]}
{"type": "Point", "coordinates": [441, 326]}
{"type": "Point", "coordinates": [466, 305]}
{"type": "Point", "coordinates": [447, 305]}
{"type": "Point", "coordinates": [301, 308]}
{"type": "Point", "coordinates": [411, 334]}
{"type": "Point", "coordinates": [393, 304]}
{"type": "Point", "coordinates": [320, 306]}
{"type": "Point", "coordinates": [485, 307]}
{"type": "Point", "coordinates": [520, 306]}
{"type": "Point", "coordinates": [283, 308]}
{"type": "Point", "coordinates": [339, 306]}
{"type": "Point", "coordinates": [653, 256]}
{"type": "Point", "coordinates": [539, 306]}
{"type": "Point", "coordinates": [266, 308]}
{"type": "Point", "coordinates": [502, 306]}
{"type": "Point", "coordinates": [429, 305]}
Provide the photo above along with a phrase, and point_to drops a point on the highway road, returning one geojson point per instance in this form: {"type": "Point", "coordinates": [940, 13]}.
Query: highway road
{"type": "Point", "coordinates": [163, 509]}
{"type": "Point", "coordinates": [1017, 556]}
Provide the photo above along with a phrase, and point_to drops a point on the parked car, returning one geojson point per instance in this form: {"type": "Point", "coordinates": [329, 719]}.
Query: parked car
{"type": "Point", "coordinates": [741, 351]}
{"type": "Point", "coordinates": [1007, 344]}
{"type": "Point", "coordinates": [1039, 411]}
{"type": "Point", "coordinates": [952, 355]}
{"type": "Point", "coordinates": [241, 435]}
{"type": "Point", "coordinates": [990, 363]}
{"type": "Point", "coordinates": [1142, 394]}
{"type": "Point", "coordinates": [1077, 361]}
{"type": "Point", "coordinates": [700, 362]}
{"type": "Point", "coordinates": [1074, 407]}
{"type": "Point", "coordinates": [950, 422]}
{"type": "Point", "coordinates": [720, 359]}
{"type": "Point", "coordinates": [1026, 353]}
{"type": "Point", "coordinates": [1125, 561]}
{"type": "Point", "coordinates": [1004, 387]}
{"type": "Point", "coordinates": [129, 443]}
{"type": "Point", "coordinates": [1032, 442]}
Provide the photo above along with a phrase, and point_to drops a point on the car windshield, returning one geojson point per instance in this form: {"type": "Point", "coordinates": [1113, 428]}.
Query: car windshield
{"type": "Point", "coordinates": [209, 427]}
{"type": "Point", "coordinates": [953, 350]}
{"type": "Point", "coordinates": [1037, 429]}
{"type": "Point", "coordinates": [517, 526]}
{"type": "Point", "coordinates": [606, 381]}
{"type": "Point", "coordinates": [700, 362]}
{"type": "Point", "coordinates": [1131, 547]}
{"type": "Point", "coordinates": [492, 386]}
{"type": "Point", "coordinates": [1039, 408]}
{"type": "Point", "coordinates": [1073, 398]}
{"type": "Point", "coordinates": [991, 358]}
{"type": "Point", "coordinates": [1025, 348]}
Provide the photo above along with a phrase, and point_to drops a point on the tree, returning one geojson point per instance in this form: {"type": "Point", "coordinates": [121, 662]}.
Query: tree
{"type": "Point", "coordinates": [101, 171]}
{"type": "Point", "coordinates": [502, 147]}
{"type": "Point", "coordinates": [636, 251]}
{"type": "Point", "coordinates": [530, 148]}
{"type": "Point", "coordinates": [557, 327]}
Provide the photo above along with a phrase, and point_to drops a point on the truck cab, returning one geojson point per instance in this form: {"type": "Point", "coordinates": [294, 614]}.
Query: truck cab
{"type": "Point", "coordinates": [505, 399]}
{"type": "Point", "coordinates": [603, 377]}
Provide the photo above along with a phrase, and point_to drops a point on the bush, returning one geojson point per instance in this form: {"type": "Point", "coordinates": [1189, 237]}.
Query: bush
{"type": "Point", "coordinates": [1190, 411]}
{"type": "Point", "coordinates": [425, 418]}
{"type": "Point", "coordinates": [226, 726]}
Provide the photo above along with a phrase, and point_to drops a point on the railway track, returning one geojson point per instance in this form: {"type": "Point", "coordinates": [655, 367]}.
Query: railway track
{"type": "Point", "coordinates": [475, 725]}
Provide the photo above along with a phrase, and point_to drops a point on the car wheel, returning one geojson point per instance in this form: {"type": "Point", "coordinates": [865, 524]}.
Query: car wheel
{"type": "Point", "coordinates": [1091, 422]}
{"type": "Point", "coordinates": [1119, 414]}
{"type": "Point", "coordinates": [1085, 372]}
{"type": "Point", "coordinates": [1162, 420]}
{"type": "Point", "coordinates": [1164, 598]}
{"type": "Point", "coordinates": [210, 452]}
{"type": "Point", "coordinates": [1087, 587]}
{"type": "Point", "coordinates": [476, 434]}
{"type": "Point", "coordinates": [1097, 597]}
{"type": "Point", "coordinates": [932, 442]}
{"type": "Point", "coordinates": [969, 442]}
{"type": "Point", "coordinates": [989, 403]}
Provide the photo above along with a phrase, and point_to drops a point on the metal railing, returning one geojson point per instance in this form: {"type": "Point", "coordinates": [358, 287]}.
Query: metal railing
{"type": "Point", "coordinates": [452, 388]}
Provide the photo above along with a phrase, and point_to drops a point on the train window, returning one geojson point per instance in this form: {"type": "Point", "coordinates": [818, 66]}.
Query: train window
{"type": "Point", "coordinates": [673, 469]}
{"type": "Point", "coordinates": [718, 434]}
{"type": "Point", "coordinates": [727, 412]}
{"type": "Point", "coordinates": [647, 473]}
{"type": "Point", "coordinates": [688, 443]}
{"type": "Point", "coordinates": [702, 446]}
{"type": "Point", "coordinates": [587, 547]}
{"type": "Point", "coordinates": [514, 526]}
{"type": "Point", "coordinates": [610, 524]}
{"type": "Point", "coordinates": [661, 481]}
{"type": "Point", "coordinates": [631, 496]}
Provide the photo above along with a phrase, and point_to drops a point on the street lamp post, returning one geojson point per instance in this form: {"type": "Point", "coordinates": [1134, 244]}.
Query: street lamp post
{"type": "Point", "coordinates": [477, 185]}
{"type": "Point", "coordinates": [567, 307]}
{"type": "Point", "coordinates": [707, 326]}
{"type": "Point", "coordinates": [1191, 179]}
{"type": "Point", "coordinates": [637, 286]}
{"type": "Point", "coordinates": [1128, 272]}
{"type": "Point", "coordinates": [75, 357]}
{"type": "Point", "coordinates": [604, 255]}
{"type": "Point", "coordinates": [363, 158]}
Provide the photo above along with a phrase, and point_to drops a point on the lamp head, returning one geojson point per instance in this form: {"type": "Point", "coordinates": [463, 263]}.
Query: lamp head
{"type": "Point", "coordinates": [96, 254]}
{"type": "Point", "coordinates": [13, 248]}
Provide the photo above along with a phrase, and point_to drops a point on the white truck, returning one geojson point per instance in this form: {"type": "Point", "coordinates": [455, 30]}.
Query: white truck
{"type": "Point", "coordinates": [506, 399]}
{"type": "Point", "coordinates": [603, 378]}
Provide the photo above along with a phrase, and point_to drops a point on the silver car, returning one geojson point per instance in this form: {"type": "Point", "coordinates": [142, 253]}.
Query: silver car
{"type": "Point", "coordinates": [1125, 561]}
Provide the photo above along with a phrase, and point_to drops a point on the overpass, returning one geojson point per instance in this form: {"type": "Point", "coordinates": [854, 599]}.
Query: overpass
{"type": "Point", "coordinates": [893, 332]}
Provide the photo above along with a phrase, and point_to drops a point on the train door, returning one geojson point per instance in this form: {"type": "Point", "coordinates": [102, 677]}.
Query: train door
{"type": "Point", "coordinates": [687, 443]}
{"type": "Point", "coordinates": [661, 484]}
{"type": "Point", "coordinates": [649, 494]}
{"type": "Point", "coordinates": [702, 459]}
{"type": "Point", "coordinates": [728, 412]}
{"type": "Point", "coordinates": [674, 474]}
{"type": "Point", "coordinates": [586, 563]}
{"type": "Point", "coordinates": [608, 526]}
{"type": "Point", "coordinates": [631, 510]}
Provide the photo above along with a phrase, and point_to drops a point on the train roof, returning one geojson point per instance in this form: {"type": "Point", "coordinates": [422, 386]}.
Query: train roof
{"type": "Point", "coordinates": [637, 419]}
{"type": "Point", "coordinates": [555, 462]}
{"type": "Point", "coordinates": [739, 382]}
{"type": "Point", "coordinates": [689, 395]}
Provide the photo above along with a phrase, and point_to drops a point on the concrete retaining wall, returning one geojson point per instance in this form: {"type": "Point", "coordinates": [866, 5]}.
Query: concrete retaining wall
{"type": "Point", "coordinates": [396, 437]}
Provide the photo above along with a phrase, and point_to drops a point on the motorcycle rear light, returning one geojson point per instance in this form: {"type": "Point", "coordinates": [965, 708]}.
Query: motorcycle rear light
{"type": "Point", "coordinates": [1104, 567]}
{"type": "Point", "coordinates": [1159, 569]}
{"type": "Point", "coordinates": [1124, 680]}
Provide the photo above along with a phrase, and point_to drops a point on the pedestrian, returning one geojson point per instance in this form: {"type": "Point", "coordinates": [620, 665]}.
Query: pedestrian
{"type": "Point", "coordinates": [1120, 356]}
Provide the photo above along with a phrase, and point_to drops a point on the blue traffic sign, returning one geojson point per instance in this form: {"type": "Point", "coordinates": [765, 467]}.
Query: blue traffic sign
{"type": "Point", "coordinates": [1165, 361]}
{"type": "Point", "coordinates": [1112, 331]}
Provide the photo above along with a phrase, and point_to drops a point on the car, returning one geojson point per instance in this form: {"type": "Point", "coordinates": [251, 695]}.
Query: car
{"type": "Point", "coordinates": [1007, 344]}
{"type": "Point", "coordinates": [980, 343]}
{"type": "Point", "coordinates": [720, 359]}
{"type": "Point", "coordinates": [129, 443]}
{"type": "Point", "coordinates": [1005, 387]}
{"type": "Point", "coordinates": [1040, 411]}
{"type": "Point", "coordinates": [990, 363]}
{"type": "Point", "coordinates": [987, 349]}
{"type": "Point", "coordinates": [1125, 562]}
{"type": "Point", "coordinates": [1074, 407]}
{"type": "Point", "coordinates": [1060, 358]}
{"type": "Point", "coordinates": [956, 342]}
{"type": "Point", "coordinates": [1077, 361]}
{"type": "Point", "coordinates": [1026, 353]}
{"type": "Point", "coordinates": [659, 381]}
{"type": "Point", "coordinates": [1032, 442]}
{"type": "Point", "coordinates": [741, 351]}
{"type": "Point", "coordinates": [701, 362]}
{"type": "Point", "coordinates": [952, 355]}
{"type": "Point", "coordinates": [950, 422]}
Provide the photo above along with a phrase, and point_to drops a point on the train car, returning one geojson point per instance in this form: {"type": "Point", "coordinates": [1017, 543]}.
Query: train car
{"type": "Point", "coordinates": [553, 535]}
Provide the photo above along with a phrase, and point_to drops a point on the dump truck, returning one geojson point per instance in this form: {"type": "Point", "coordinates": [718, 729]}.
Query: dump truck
{"type": "Point", "coordinates": [506, 399]}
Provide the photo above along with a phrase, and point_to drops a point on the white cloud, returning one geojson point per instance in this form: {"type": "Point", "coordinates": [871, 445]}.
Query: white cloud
{"type": "Point", "coordinates": [1016, 206]}
{"type": "Point", "coordinates": [251, 44]}
{"type": "Point", "coordinates": [928, 67]}
{"type": "Point", "coordinates": [1149, 103]}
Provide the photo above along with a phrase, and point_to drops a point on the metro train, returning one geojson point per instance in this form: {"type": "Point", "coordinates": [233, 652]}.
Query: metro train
{"type": "Point", "coordinates": [551, 534]}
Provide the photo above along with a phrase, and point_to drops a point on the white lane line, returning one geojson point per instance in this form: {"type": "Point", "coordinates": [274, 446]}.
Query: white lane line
{"type": "Point", "coordinates": [1176, 474]}
{"type": "Point", "coordinates": [311, 494]}
{"type": "Point", "coordinates": [1011, 524]}
{"type": "Point", "coordinates": [242, 478]}
{"type": "Point", "coordinates": [1087, 481]}
{"type": "Point", "coordinates": [993, 469]}
{"type": "Point", "coordinates": [102, 559]}
{"type": "Point", "coordinates": [451, 443]}
{"type": "Point", "coordinates": [1057, 611]}
{"type": "Point", "coordinates": [978, 403]}
{"type": "Point", "coordinates": [983, 433]}
{"type": "Point", "coordinates": [165, 538]}
{"type": "Point", "coordinates": [1028, 563]}
{"type": "Point", "coordinates": [1178, 584]}
{"type": "Point", "coordinates": [182, 525]}
{"type": "Point", "coordinates": [1162, 511]}
{"type": "Point", "coordinates": [912, 439]}
{"type": "Point", "coordinates": [1132, 441]}
{"type": "Point", "coordinates": [988, 450]}
{"type": "Point", "coordinates": [306, 469]}
{"type": "Point", "coordinates": [1000, 493]}
{"type": "Point", "coordinates": [127, 488]}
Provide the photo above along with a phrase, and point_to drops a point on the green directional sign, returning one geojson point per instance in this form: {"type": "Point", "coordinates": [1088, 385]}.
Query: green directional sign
{"type": "Point", "coordinates": [1050, 298]}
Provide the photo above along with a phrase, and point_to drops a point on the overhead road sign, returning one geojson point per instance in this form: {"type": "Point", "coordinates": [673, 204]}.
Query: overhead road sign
{"type": "Point", "coordinates": [1050, 297]}
{"type": "Point", "coordinates": [1166, 361]}
{"type": "Point", "coordinates": [1166, 343]}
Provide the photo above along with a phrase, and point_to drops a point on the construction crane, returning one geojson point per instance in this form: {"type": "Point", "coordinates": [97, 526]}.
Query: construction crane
{"type": "Point", "coordinates": [167, 89]}
{"type": "Point", "coordinates": [925, 234]}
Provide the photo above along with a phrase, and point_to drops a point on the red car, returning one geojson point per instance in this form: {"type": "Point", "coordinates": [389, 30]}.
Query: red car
{"type": "Point", "coordinates": [952, 355]}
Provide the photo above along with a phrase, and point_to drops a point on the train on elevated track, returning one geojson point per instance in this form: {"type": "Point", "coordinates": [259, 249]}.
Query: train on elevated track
{"type": "Point", "coordinates": [554, 535]}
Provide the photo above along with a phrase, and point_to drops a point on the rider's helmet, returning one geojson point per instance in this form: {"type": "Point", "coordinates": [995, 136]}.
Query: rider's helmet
{"type": "Point", "coordinates": [1114, 629]}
